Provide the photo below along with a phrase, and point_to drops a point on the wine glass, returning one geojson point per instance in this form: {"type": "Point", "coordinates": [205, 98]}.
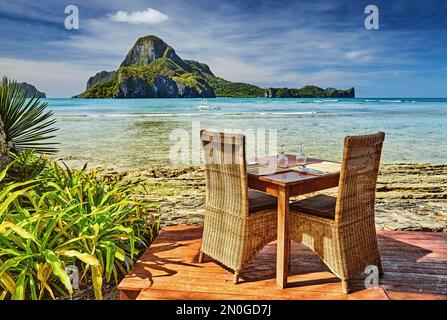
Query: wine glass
{"type": "Point", "coordinates": [301, 158]}
{"type": "Point", "coordinates": [283, 161]}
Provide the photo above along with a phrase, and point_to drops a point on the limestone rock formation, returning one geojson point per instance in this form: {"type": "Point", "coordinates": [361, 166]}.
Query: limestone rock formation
{"type": "Point", "coordinates": [152, 69]}
{"type": "Point", "coordinates": [31, 90]}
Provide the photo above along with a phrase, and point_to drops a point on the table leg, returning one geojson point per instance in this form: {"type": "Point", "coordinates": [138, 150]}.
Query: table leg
{"type": "Point", "coordinates": [283, 242]}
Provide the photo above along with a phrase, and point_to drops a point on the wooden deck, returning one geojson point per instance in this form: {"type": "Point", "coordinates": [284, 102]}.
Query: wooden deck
{"type": "Point", "coordinates": [415, 265]}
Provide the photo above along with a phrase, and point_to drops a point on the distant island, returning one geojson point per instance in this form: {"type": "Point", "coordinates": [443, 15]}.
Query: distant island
{"type": "Point", "coordinates": [152, 69]}
{"type": "Point", "coordinates": [309, 92]}
{"type": "Point", "coordinates": [31, 90]}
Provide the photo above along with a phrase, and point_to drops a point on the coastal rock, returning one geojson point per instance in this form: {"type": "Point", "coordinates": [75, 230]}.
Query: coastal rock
{"type": "Point", "coordinates": [148, 49]}
{"type": "Point", "coordinates": [31, 90]}
{"type": "Point", "coordinates": [409, 196]}
{"type": "Point", "coordinates": [162, 87]}
{"type": "Point", "coordinates": [199, 67]}
{"type": "Point", "coordinates": [152, 69]}
{"type": "Point", "coordinates": [4, 159]}
{"type": "Point", "coordinates": [133, 88]}
{"type": "Point", "coordinates": [180, 194]}
{"type": "Point", "coordinates": [100, 78]}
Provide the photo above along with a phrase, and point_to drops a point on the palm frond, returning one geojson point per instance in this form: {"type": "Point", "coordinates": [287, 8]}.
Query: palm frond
{"type": "Point", "coordinates": [26, 122]}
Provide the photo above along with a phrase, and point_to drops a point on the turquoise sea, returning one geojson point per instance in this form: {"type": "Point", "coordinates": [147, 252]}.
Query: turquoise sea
{"type": "Point", "coordinates": [129, 133]}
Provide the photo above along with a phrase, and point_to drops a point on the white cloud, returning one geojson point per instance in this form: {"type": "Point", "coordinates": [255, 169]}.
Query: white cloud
{"type": "Point", "coordinates": [149, 16]}
{"type": "Point", "coordinates": [359, 55]}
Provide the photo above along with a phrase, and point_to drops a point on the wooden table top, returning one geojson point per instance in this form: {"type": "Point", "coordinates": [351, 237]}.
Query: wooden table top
{"type": "Point", "coordinates": [291, 177]}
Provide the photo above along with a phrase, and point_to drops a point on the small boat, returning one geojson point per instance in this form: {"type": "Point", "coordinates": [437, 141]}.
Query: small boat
{"type": "Point", "coordinates": [203, 105]}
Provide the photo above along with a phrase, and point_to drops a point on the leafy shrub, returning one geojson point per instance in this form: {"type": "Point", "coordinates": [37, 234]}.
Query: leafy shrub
{"type": "Point", "coordinates": [68, 217]}
{"type": "Point", "coordinates": [27, 165]}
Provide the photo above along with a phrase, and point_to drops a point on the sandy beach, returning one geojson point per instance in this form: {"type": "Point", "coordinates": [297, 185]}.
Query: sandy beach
{"type": "Point", "coordinates": [409, 196]}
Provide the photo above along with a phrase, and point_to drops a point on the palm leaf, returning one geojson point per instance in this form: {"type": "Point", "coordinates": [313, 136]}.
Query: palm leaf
{"type": "Point", "coordinates": [26, 122]}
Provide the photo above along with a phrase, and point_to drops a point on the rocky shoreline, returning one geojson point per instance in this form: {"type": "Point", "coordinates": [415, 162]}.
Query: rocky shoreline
{"type": "Point", "coordinates": [409, 196]}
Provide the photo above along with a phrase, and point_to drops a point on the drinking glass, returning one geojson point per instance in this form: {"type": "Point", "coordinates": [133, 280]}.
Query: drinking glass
{"type": "Point", "coordinates": [301, 158]}
{"type": "Point", "coordinates": [283, 161]}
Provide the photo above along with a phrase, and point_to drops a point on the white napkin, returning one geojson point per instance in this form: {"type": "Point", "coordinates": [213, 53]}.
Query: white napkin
{"type": "Point", "coordinates": [310, 170]}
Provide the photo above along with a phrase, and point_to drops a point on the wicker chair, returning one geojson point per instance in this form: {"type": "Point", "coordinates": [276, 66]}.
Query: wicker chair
{"type": "Point", "coordinates": [342, 230]}
{"type": "Point", "coordinates": [238, 222]}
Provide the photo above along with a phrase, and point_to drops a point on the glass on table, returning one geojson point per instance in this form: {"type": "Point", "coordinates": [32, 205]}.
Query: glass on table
{"type": "Point", "coordinates": [283, 161]}
{"type": "Point", "coordinates": [301, 158]}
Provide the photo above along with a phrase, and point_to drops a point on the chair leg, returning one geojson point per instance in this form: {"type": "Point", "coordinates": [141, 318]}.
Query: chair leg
{"type": "Point", "coordinates": [290, 255]}
{"type": "Point", "coordinates": [201, 257]}
{"type": "Point", "coordinates": [345, 285]}
{"type": "Point", "coordinates": [236, 276]}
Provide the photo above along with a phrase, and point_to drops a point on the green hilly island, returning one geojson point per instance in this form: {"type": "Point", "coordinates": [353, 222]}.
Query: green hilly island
{"type": "Point", "coordinates": [152, 69]}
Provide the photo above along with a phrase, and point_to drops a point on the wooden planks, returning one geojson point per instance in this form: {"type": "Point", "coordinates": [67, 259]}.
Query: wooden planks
{"type": "Point", "coordinates": [415, 267]}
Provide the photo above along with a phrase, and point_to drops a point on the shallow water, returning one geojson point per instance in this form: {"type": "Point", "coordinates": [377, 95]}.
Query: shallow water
{"type": "Point", "coordinates": [127, 133]}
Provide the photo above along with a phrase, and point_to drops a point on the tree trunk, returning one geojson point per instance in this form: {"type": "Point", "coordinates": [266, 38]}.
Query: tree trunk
{"type": "Point", "coordinates": [4, 159]}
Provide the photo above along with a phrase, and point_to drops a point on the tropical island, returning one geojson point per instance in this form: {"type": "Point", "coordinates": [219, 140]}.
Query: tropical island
{"type": "Point", "coordinates": [152, 69]}
{"type": "Point", "coordinates": [31, 90]}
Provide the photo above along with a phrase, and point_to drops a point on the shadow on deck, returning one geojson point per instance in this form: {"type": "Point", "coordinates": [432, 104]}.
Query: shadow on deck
{"type": "Point", "coordinates": [415, 265]}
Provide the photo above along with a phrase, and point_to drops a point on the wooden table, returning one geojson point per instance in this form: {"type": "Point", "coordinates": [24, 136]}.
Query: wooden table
{"type": "Point", "coordinates": [285, 185]}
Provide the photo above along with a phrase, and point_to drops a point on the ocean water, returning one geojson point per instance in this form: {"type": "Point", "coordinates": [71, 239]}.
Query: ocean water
{"type": "Point", "coordinates": [129, 133]}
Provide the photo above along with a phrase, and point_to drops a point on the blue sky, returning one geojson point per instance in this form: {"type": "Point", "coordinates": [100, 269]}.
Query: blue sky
{"type": "Point", "coordinates": [268, 43]}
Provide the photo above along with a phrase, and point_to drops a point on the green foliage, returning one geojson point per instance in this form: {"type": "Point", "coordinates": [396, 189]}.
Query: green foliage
{"type": "Point", "coordinates": [26, 122]}
{"type": "Point", "coordinates": [283, 93]}
{"type": "Point", "coordinates": [224, 88]}
{"type": "Point", "coordinates": [27, 165]}
{"type": "Point", "coordinates": [192, 81]}
{"type": "Point", "coordinates": [311, 92]}
{"type": "Point", "coordinates": [199, 68]}
{"type": "Point", "coordinates": [162, 66]}
{"type": "Point", "coordinates": [188, 79]}
{"type": "Point", "coordinates": [102, 90]}
{"type": "Point", "coordinates": [68, 217]}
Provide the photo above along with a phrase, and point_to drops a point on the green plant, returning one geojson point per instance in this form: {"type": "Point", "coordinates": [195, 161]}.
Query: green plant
{"type": "Point", "coordinates": [26, 123]}
{"type": "Point", "coordinates": [102, 90]}
{"type": "Point", "coordinates": [68, 217]}
{"type": "Point", "coordinates": [27, 165]}
{"type": "Point", "coordinates": [224, 88]}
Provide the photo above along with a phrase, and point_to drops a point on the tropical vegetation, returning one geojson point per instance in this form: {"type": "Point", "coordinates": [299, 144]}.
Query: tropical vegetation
{"type": "Point", "coordinates": [53, 218]}
{"type": "Point", "coordinates": [225, 88]}
{"type": "Point", "coordinates": [60, 227]}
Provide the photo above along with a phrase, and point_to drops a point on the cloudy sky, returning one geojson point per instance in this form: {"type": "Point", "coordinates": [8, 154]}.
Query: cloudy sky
{"type": "Point", "coordinates": [268, 43]}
